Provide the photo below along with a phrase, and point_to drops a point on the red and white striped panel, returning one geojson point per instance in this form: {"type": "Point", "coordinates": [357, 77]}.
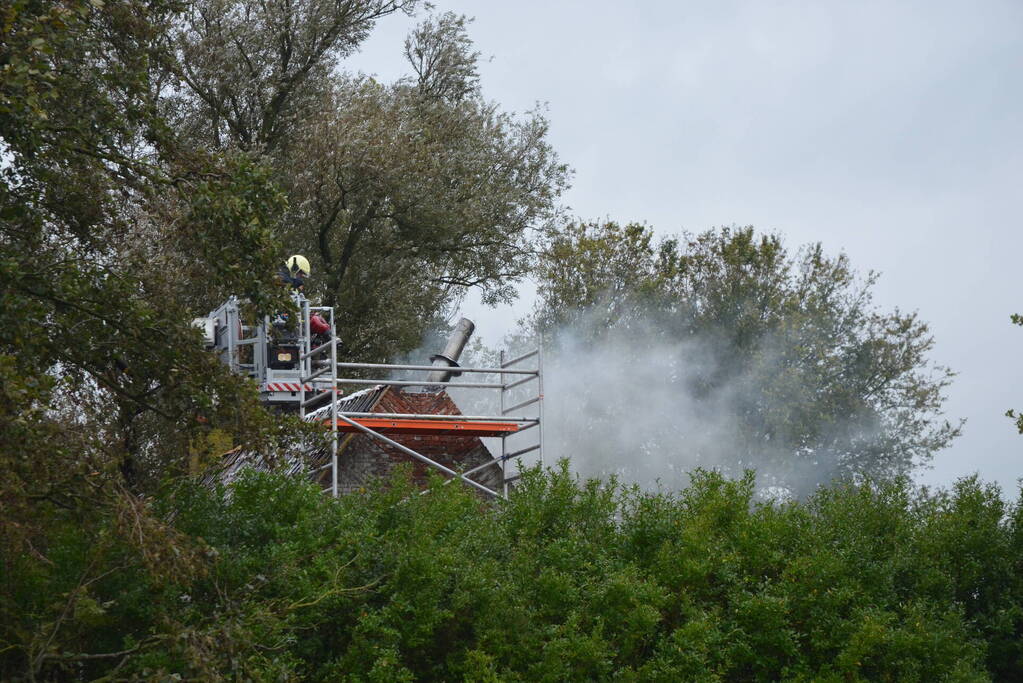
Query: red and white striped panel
{"type": "Point", "coordinates": [289, 386]}
{"type": "Point", "coordinates": [286, 386]}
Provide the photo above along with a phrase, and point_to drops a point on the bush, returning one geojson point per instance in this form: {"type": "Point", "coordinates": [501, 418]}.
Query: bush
{"type": "Point", "coordinates": [566, 581]}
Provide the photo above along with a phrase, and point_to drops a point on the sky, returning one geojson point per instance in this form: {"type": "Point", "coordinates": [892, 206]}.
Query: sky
{"type": "Point", "coordinates": [892, 131]}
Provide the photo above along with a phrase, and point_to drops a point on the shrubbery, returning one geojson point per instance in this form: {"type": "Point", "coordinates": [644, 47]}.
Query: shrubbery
{"type": "Point", "coordinates": [567, 581]}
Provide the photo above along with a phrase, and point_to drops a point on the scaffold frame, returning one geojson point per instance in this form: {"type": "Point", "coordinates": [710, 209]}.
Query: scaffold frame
{"type": "Point", "coordinates": [357, 420]}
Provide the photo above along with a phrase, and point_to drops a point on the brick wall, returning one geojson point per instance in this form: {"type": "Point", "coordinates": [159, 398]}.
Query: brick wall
{"type": "Point", "coordinates": [361, 458]}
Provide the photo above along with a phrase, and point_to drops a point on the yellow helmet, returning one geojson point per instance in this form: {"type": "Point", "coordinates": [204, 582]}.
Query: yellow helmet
{"type": "Point", "coordinates": [298, 264]}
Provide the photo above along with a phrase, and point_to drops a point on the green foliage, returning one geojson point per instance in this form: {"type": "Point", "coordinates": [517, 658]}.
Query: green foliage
{"type": "Point", "coordinates": [813, 380]}
{"type": "Point", "coordinates": [403, 195]}
{"type": "Point", "coordinates": [104, 384]}
{"type": "Point", "coordinates": [565, 581]}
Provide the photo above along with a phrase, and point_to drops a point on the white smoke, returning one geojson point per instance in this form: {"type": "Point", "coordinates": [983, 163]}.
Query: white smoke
{"type": "Point", "coordinates": [619, 407]}
{"type": "Point", "coordinates": [633, 402]}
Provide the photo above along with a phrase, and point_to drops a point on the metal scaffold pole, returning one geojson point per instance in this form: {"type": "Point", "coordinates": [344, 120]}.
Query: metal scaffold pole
{"type": "Point", "coordinates": [504, 438]}
{"type": "Point", "coordinates": [305, 361]}
{"type": "Point", "coordinates": [525, 422]}
{"type": "Point", "coordinates": [539, 381]}
{"type": "Point", "coordinates": [232, 334]}
{"type": "Point", "coordinates": [333, 405]}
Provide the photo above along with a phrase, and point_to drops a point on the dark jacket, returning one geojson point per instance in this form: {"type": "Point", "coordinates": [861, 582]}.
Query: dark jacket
{"type": "Point", "coordinates": [295, 282]}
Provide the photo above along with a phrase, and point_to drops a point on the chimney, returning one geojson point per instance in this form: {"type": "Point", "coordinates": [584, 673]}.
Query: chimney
{"type": "Point", "coordinates": [449, 358]}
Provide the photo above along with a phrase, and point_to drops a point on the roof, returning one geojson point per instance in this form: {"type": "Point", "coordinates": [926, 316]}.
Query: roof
{"type": "Point", "coordinates": [358, 402]}
{"type": "Point", "coordinates": [362, 456]}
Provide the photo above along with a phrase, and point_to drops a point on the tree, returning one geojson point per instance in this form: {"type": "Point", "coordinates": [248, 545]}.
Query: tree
{"type": "Point", "coordinates": [252, 71]}
{"type": "Point", "coordinates": [403, 195]}
{"type": "Point", "coordinates": [753, 357]}
{"type": "Point", "coordinates": [112, 230]}
{"type": "Point", "coordinates": [104, 386]}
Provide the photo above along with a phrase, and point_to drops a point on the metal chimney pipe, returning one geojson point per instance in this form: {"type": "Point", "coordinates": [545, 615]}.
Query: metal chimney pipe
{"type": "Point", "coordinates": [449, 358]}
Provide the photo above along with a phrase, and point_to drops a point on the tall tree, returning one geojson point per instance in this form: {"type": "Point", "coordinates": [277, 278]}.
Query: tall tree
{"type": "Point", "coordinates": [782, 359]}
{"type": "Point", "coordinates": [253, 70]}
{"type": "Point", "coordinates": [403, 195]}
{"type": "Point", "coordinates": [96, 355]}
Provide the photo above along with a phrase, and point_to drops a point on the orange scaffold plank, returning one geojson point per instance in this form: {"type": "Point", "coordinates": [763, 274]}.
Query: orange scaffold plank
{"type": "Point", "coordinates": [452, 427]}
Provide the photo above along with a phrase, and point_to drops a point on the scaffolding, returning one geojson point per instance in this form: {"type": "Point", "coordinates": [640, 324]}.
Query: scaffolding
{"type": "Point", "coordinates": [314, 381]}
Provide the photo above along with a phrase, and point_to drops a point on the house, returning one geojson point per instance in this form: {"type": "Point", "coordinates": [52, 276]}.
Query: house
{"type": "Point", "coordinates": [362, 457]}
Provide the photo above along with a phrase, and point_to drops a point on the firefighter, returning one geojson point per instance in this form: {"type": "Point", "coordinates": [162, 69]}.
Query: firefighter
{"type": "Point", "coordinates": [293, 274]}
{"type": "Point", "coordinates": [295, 271]}
{"type": "Point", "coordinates": [318, 326]}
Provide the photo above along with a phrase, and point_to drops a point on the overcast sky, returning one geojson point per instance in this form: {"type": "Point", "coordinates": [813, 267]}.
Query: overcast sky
{"type": "Point", "coordinates": [892, 131]}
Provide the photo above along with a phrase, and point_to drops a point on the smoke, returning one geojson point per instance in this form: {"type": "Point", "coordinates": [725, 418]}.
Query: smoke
{"type": "Point", "coordinates": [620, 406]}
{"type": "Point", "coordinates": [634, 402]}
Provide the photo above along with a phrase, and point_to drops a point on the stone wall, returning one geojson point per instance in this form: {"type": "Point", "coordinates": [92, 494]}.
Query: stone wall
{"type": "Point", "coordinates": [362, 458]}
